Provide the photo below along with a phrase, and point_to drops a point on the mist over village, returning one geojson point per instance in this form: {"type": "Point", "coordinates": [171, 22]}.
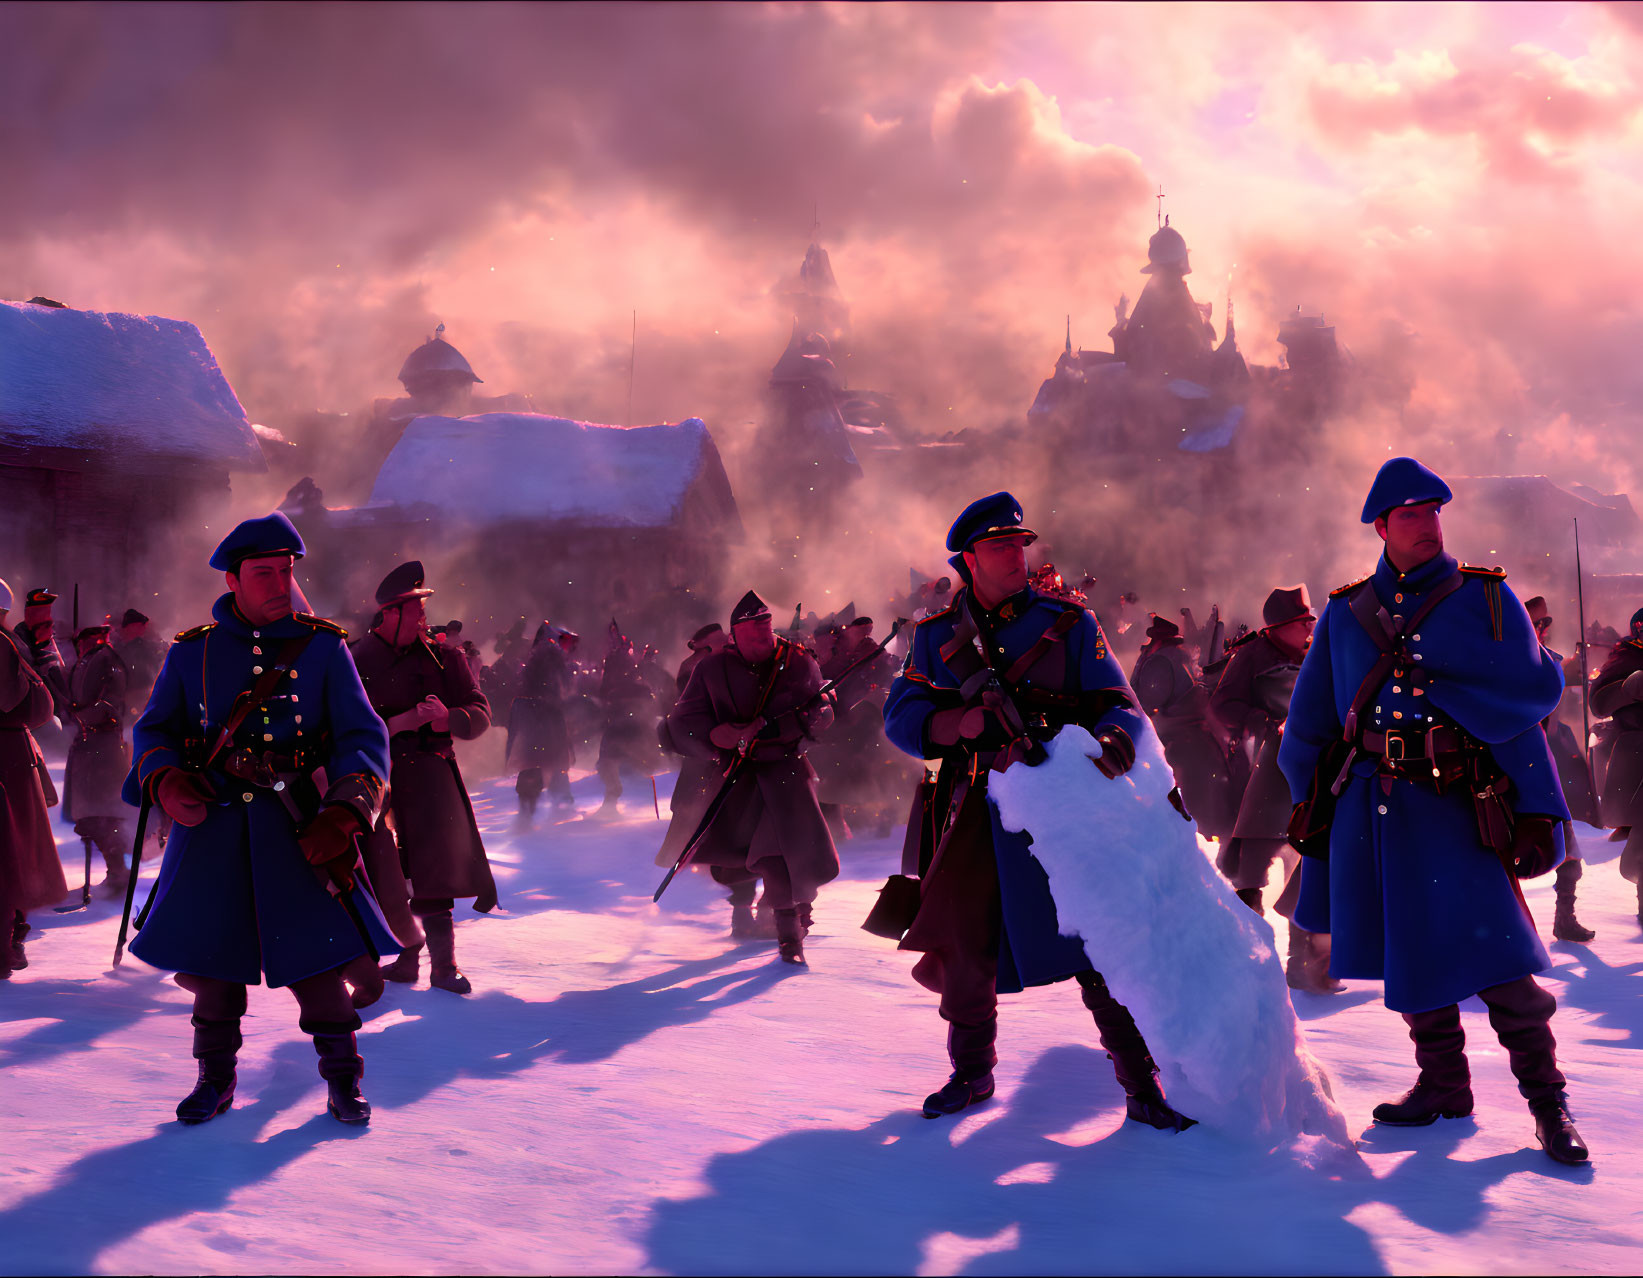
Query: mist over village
{"type": "Point", "coordinates": [1107, 533]}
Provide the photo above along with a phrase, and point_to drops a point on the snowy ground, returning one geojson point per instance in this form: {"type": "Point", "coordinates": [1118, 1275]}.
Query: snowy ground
{"type": "Point", "coordinates": [628, 1091]}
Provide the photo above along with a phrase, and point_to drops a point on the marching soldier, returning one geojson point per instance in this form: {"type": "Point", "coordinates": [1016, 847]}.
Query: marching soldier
{"type": "Point", "coordinates": [751, 699]}
{"type": "Point", "coordinates": [1251, 700]}
{"type": "Point", "coordinates": [1576, 779]}
{"type": "Point", "coordinates": [1170, 689]}
{"type": "Point", "coordinates": [539, 742]}
{"type": "Point", "coordinates": [37, 631]}
{"type": "Point", "coordinates": [428, 699]}
{"type": "Point", "coordinates": [259, 876]}
{"type": "Point", "coordinates": [99, 757]}
{"type": "Point", "coordinates": [1000, 670]}
{"type": "Point", "coordinates": [31, 875]}
{"type": "Point", "coordinates": [142, 655]}
{"type": "Point", "coordinates": [630, 719]}
{"type": "Point", "coordinates": [1418, 711]}
{"type": "Point", "coordinates": [1617, 695]}
{"type": "Point", "coordinates": [698, 778]}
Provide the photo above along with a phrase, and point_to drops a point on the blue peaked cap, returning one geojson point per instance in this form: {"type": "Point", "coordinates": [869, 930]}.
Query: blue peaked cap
{"type": "Point", "coordinates": [996, 516]}
{"type": "Point", "coordinates": [1403, 481]}
{"type": "Point", "coordinates": [270, 535]}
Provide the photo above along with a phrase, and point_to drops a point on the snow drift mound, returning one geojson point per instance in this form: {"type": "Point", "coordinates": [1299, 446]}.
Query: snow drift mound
{"type": "Point", "coordinates": [1194, 965]}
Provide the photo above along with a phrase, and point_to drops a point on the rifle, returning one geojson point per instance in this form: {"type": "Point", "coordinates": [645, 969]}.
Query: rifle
{"type": "Point", "coordinates": [1585, 673]}
{"type": "Point", "coordinates": [739, 764]}
{"type": "Point", "coordinates": [131, 883]}
{"type": "Point", "coordinates": [76, 613]}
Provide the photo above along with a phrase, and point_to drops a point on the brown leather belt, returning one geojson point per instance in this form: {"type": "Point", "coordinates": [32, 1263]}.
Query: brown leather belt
{"type": "Point", "coordinates": [1399, 744]}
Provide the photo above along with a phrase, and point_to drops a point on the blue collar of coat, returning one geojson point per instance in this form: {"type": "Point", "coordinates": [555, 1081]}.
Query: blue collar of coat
{"type": "Point", "coordinates": [231, 618]}
{"type": "Point", "coordinates": [1390, 582]}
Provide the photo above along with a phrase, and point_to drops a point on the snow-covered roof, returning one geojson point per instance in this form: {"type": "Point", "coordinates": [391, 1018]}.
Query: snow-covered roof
{"type": "Point", "coordinates": [135, 385]}
{"type": "Point", "coordinates": [501, 467]}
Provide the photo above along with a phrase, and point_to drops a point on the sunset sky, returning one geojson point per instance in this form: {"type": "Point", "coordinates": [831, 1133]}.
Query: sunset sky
{"type": "Point", "coordinates": [318, 186]}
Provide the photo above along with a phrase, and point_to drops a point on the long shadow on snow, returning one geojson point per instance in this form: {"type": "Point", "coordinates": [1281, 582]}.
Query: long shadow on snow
{"type": "Point", "coordinates": [1607, 991]}
{"type": "Point", "coordinates": [77, 1013]}
{"type": "Point", "coordinates": [494, 1034]}
{"type": "Point", "coordinates": [113, 1194]}
{"type": "Point", "coordinates": [1121, 1204]}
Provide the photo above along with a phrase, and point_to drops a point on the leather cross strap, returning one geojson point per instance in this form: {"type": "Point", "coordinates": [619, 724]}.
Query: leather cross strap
{"type": "Point", "coordinates": [1387, 635]}
{"type": "Point", "coordinates": [258, 692]}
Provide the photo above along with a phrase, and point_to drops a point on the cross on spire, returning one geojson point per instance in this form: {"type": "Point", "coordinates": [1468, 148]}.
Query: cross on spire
{"type": "Point", "coordinates": [1160, 198]}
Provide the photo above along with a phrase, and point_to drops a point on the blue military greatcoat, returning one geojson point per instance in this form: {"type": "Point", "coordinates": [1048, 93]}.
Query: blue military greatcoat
{"type": "Point", "coordinates": [1412, 895]}
{"type": "Point", "coordinates": [1032, 950]}
{"type": "Point", "coordinates": [236, 898]}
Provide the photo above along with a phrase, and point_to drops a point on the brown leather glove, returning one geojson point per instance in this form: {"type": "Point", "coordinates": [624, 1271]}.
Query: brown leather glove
{"type": "Point", "coordinates": [1534, 845]}
{"type": "Point", "coordinates": [182, 796]}
{"type": "Point", "coordinates": [328, 842]}
{"type": "Point", "coordinates": [1117, 753]}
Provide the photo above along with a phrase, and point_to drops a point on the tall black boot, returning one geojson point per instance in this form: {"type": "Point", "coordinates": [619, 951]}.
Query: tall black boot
{"type": "Point", "coordinates": [112, 842]}
{"type": "Point", "coordinates": [443, 971]}
{"type": "Point", "coordinates": [216, 1047]}
{"type": "Point", "coordinates": [1132, 1062]}
{"type": "Point", "coordinates": [15, 959]}
{"type": "Point", "coordinates": [1565, 926]}
{"type": "Point", "coordinates": [1443, 1088]}
{"type": "Point", "coordinates": [341, 1066]}
{"type": "Point", "coordinates": [973, 1052]}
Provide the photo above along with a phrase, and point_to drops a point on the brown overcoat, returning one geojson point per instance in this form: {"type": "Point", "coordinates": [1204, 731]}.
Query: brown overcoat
{"type": "Point", "coordinates": [773, 810]}
{"type": "Point", "coordinates": [1622, 804]}
{"type": "Point", "coordinates": [440, 851]}
{"type": "Point", "coordinates": [30, 873]}
{"type": "Point", "coordinates": [99, 757]}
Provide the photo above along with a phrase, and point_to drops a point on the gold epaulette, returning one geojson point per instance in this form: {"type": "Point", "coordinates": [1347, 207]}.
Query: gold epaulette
{"type": "Point", "coordinates": [1497, 572]}
{"type": "Point", "coordinates": [1349, 587]}
{"type": "Point", "coordinates": [320, 623]}
{"type": "Point", "coordinates": [196, 632]}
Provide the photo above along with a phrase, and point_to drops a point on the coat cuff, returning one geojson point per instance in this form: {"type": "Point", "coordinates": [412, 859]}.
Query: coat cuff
{"type": "Point", "coordinates": [152, 763]}
{"type": "Point", "coordinates": [466, 724]}
{"type": "Point", "coordinates": [362, 794]}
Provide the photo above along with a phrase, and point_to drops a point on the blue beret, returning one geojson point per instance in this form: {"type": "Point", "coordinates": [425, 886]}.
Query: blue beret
{"type": "Point", "coordinates": [271, 535]}
{"type": "Point", "coordinates": [1403, 481]}
{"type": "Point", "coordinates": [996, 516]}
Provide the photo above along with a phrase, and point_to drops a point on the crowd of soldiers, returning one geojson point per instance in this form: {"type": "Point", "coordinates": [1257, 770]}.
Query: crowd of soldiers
{"type": "Point", "coordinates": [331, 766]}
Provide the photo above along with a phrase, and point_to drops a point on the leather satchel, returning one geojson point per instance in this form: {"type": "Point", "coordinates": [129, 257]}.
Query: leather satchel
{"type": "Point", "coordinates": [893, 913]}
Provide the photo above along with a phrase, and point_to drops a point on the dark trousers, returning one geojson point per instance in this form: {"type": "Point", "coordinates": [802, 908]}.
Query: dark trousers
{"type": "Point", "coordinates": [1520, 1012]}
{"type": "Point", "coordinates": [324, 1005]}
{"type": "Point", "coordinates": [961, 963]}
{"type": "Point", "coordinates": [741, 880]}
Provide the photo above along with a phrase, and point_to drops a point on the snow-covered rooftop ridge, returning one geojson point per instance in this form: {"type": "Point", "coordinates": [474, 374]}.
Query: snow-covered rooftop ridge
{"type": "Point", "coordinates": [135, 385]}
{"type": "Point", "coordinates": [498, 467]}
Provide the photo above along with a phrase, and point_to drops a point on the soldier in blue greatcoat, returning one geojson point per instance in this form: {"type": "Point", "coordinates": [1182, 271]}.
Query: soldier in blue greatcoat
{"type": "Point", "coordinates": [987, 680]}
{"type": "Point", "coordinates": [250, 715]}
{"type": "Point", "coordinates": [1419, 704]}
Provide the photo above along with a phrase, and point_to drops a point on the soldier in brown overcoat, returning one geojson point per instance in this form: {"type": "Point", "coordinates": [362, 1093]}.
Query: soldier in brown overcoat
{"type": "Point", "coordinates": [698, 778]}
{"type": "Point", "coordinates": [1251, 701]}
{"type": "Point", "coordinates": [539, 743]}
{"type": "Point", "coordinates": [752, 699]}
{"type": "Point", "coordinates": [99, 756]}
{"type": "Point", "coordinates": [425, 851]}
{"type": "Point", "coordinates": [31, 875]}
{"type": "Point", "coordinates": [1167, 684]}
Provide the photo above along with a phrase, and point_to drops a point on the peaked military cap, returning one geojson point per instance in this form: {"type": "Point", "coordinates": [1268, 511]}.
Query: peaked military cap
{"type": "Point", "coordinates": [133, 618]}
{"type": "Point", "coordinates": [1287, 603]}
{"type": "Point", "coordinates": [1403, 481]}
{"type": "Point", "coordinates": [998, 515]}
{"type": "Point", "coordinates": [5, 596]}
{"type": "Point", "coordinates": [860, 621]}
{"type": "Point", "coordinates": [403, 583]}
{"type": "Point", "coordinates": [1163, 628]}
{"type": "Point", "coordinates": [91, 632]}
{"type": "Point", "coordinates": [254, 538]}
{"type": "Point", "coordinates": [39, 597]}
{"type": "Point", "coordinates": [749, 608]}
{"type": "Point", "coordinates": [705, 631]}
